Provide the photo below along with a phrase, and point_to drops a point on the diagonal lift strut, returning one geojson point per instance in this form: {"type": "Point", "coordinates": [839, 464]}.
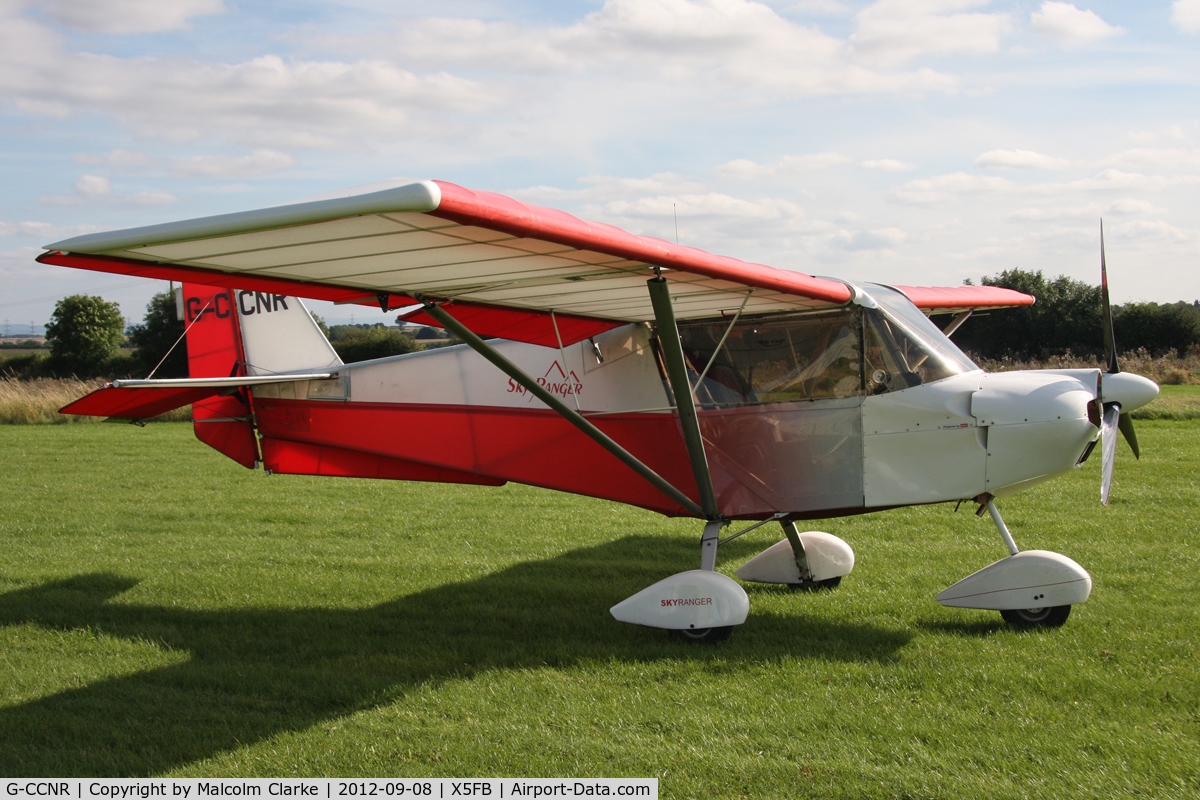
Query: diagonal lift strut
{"type": "Point", "coordinates": [668, 337]}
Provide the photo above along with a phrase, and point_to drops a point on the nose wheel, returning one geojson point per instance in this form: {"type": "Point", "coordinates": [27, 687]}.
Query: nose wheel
{"type": "Point", "coordinates": [703, 635]}
{"type": "Point", "coordinates": [1045, 617]}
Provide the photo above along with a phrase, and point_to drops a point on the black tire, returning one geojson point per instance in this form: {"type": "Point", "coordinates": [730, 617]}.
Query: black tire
{"type": "Point", "coordinates": [1047, 617]}
{"type": "Point", "coordinates": [815, 586]}
{"type": "Point", "coordinates": [705, 635]}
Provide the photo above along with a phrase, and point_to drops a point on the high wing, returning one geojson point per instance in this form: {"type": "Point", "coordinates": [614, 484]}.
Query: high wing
{"type": "Point", "coordinates": [503, 267]}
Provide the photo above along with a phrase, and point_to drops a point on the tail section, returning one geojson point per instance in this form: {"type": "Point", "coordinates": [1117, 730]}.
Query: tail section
{"type": "Point", "coordinates": [237, 332]}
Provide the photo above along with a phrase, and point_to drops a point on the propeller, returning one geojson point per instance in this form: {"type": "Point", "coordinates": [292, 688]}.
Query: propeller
{"type": "Point", "coordinates": [1113, 420]}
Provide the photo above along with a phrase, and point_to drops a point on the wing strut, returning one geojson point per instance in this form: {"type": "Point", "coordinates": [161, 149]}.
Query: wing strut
{"type": "Point", "coordinates": [569, 414]}
{"type": "Point", "coordinates": [668, 337]}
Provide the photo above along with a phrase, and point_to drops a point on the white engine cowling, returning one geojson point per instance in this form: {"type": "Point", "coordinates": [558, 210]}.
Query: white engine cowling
{"type": "Point", "coordinates": [692, 600]}
{"type": "Point", "coordinates": [1029, 579]}
{"type": "Point", "coordinates": [828, 557]}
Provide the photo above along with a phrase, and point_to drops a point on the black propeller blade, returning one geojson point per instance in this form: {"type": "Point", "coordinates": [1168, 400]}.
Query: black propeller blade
{"type": "Point", "coordinates": [1125, 425]}
{"type": "Point", "coordinates": [1110, 346]}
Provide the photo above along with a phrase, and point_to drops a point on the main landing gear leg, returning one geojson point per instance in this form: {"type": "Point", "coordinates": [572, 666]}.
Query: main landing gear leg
{"type": "Point", "coordinates": [708, 544]}
{"type": "Point", "coordinates": [1033, 588]}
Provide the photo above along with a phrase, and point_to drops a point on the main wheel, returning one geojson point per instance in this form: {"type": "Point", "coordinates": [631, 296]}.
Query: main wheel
{"type": "Point", "coordinates": [1046, 617]}
{"type": "Point", "coordinates": [707, 635]}
{"type": "Point", "coordinates": [814, 586]}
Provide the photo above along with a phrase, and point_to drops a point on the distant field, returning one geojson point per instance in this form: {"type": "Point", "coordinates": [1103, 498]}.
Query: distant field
{"type": "Point", "coordinates": [165, 612]}
{"type": "Point", "coordinates": [1173, 402]}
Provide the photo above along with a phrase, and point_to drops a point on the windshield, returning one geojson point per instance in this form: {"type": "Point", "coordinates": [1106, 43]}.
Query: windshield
{"type": "Point", "coordinates": [903, 348]}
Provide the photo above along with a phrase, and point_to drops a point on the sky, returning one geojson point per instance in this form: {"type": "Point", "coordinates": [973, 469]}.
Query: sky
{"type": "Point", "coordinates": [916, 142]}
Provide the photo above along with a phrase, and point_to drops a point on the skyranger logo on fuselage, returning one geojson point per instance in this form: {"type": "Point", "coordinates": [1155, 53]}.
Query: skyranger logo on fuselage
{"type": "Point", "coordinates": [556, 381]}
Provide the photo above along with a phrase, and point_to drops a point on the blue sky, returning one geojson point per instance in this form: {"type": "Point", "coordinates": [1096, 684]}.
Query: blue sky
{"type": "Point", "coordinates": [904, 141]}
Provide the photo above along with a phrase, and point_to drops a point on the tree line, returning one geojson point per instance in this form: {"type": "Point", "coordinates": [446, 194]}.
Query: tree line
{"type": "Point", "coordinates": [86, 334]}
{"type": "Point", "coordinates": [1068, 319]}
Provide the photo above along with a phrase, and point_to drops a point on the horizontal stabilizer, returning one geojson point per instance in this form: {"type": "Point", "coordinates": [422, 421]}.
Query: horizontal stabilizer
{"type": "Point", "coordinates": [220, 383]}
{"type": "Point", "coordinates": [139, 403]}
{"type": "Point", "coordinates": [141, 399]}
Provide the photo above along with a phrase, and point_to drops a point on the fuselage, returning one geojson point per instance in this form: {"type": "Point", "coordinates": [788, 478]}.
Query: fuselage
{"type": "Point", "coordinates": [815, 415]}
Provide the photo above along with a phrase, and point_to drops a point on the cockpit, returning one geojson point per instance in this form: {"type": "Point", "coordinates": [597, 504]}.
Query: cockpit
{"type": "Point", "coordinates": [881, 343]}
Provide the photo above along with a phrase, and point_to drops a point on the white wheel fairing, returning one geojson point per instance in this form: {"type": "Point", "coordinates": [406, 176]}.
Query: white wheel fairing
{"type": "Point", "coordinates": [1030, 579]}
{"type": "Point", "coordinates": [692, 600]}
{"type": "Point", "coordinates": [828, 557]}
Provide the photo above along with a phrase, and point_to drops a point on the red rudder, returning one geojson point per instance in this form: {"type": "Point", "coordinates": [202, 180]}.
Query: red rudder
{"type": "Point", "coordinates": [215, 351]}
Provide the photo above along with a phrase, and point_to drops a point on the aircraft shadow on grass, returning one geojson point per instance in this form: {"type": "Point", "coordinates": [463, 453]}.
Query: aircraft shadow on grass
{"type": "Point", "coordinates": [254, 673]}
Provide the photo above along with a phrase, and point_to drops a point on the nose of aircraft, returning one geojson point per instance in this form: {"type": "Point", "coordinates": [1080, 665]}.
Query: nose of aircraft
{"type": "Point", "coordinates": [1129, 390]}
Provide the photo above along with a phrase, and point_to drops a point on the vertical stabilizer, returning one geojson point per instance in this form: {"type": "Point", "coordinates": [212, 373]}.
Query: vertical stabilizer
{"type": "Point", "coordinates": [280, 335]}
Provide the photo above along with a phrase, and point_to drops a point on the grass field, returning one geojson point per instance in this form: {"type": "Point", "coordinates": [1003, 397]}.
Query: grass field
{"type": "Point", "coordinates": [165, 612]}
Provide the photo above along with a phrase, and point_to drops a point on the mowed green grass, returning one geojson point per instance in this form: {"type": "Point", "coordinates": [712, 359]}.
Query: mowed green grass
{"type": "Point", "coordinates": [165, 612]}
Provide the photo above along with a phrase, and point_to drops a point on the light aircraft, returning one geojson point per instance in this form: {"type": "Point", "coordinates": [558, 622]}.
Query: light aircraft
{"type": "Point", "coordinates": [617, 366]}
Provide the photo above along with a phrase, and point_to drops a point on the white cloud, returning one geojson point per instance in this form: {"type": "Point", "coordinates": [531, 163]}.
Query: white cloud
{"type": "Point", "coordinates": [1185, 15]}
{"type": "Point", "coordinates": [1150, 229]}
{"type": "Point", "coordinates": [93, 186]}
{"type": "Point", "coordinates": [98, 189]}
{"type": "Point", "coordinates": [745, 169]}
{"type": "Point", "coordinates": [741, 44]}
{"type": "Point", "coordinates": [1065, 22]}
{"type": "Point", "coordinates": [44, 230]}
{"type": "Point", "coordinates": [1173, 132]}
{"type": "Point", "coordinates": [114, 158]}
{"type": "Point", "coordinates": [602, 188]}
{"type": "Point", "coordinates": [945, 188]}
{"type": "Point", "coordinates": [878, 239]}
{"type": "Point", "coordinates": [431, 80]}
{"type": "Point", "coordinates": [203, 166]}
{"type": "Point", "coordinates": [255, 163]}
{"type": "Point", "coordinates": [824, 8]}
{"type": "Point", "coordinates": [1020, 159]}
{"type": "Point", "coordinates": [128, 16]}
{"type": "Point", "coordinates": [1118, 180]}
{"type": "Point", "coordinates": [150, 198]}
{"type": "Point", "coordinates": [888, 165]}
{"type": "Point", "coordinates": [1172, 159]}
{"type": "Point", "coordinates": [1057, 212]}
{"type": "Point", "coordinates": [708, 205]}
{"type": "Point", "coordinates": [269, 101]}
{"type": "Point", "coordinates": [1130, 205]}
{"type": "Point", "coordinates": [712, 220]}
{"type": "Point", "coordinates": [1126, 206]}
{"type": "Point", "coordinates": [894, 31]}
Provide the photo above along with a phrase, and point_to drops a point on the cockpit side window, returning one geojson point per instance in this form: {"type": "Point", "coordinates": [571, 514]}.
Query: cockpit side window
{"type": "Point", "coordinates": [777, 359]}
